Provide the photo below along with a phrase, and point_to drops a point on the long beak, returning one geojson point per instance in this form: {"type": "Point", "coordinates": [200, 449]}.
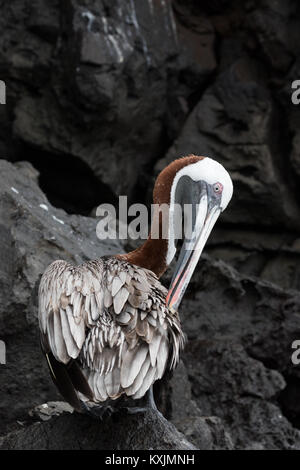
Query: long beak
{"type": "Point", "coordinates": [207, 215]}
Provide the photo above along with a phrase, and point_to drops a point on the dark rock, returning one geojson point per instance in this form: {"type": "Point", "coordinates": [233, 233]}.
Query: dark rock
{"type": "Point", "coordinates": [148, 430]}
{"type": "Point", "coordinates": [240, 390]}
{"type": "Point", "coordinates": [240, 335]}
{"type": "Point", "coordinates": [233, 122]}
{"type": "Point", "coordinates": [222, 303]}
{"type": "Point", "coordinates": [259, 253]}
{"type": "Point", "coordinates": [47, 410]}
{"type": "Point", "coordinates": [293, 117]}
{"type": "Point", "coordinates": [113, 85]}
{"type": "Point", "coordinates": [238, 360]}
{"type": "Point", "coordinates": [206, 432]}
{"type": "Point", "coordinates": [274, 26]}
{"type": "Point", "coordinates": [295, 155]}
{"type": "Point", "coordinates": [33, 234]}
{"type": "Point", "coordinates": [101, 81]}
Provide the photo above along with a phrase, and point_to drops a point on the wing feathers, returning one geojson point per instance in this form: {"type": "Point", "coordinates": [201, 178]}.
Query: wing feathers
{"type": "Point", "coordinates": [119, 299]}
{"type": "Point", "coordinates": [111, 318]}
{"type": "Point", "coordinates": [153, 348]}
{"type": "Point", "coordinates": [70, 343]}
{"type": "Point", "coordinates": [132, 363]}
{"type": "Point", "coordinates": [112, 382]}
{"type": "Point", "coordinates": [162, 357]}
{"type": "Point", "coordinates": [116, 285]}
{"type": "Point", "coordinates": [77, 329]}
{"type": "Point", "coordinates": [63, 382]}
{"type": "Point", "coordinates": [139, 378]}
{"type": "Point", "coordinates": [146, 384]}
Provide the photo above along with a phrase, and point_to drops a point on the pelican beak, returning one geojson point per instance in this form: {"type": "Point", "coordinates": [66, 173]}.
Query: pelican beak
{"type": "Point", "coordinates": [207, 213]}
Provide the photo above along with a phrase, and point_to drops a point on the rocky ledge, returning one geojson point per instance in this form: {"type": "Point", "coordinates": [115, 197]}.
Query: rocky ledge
{"type": "Point", "coordinates": [100, 96]}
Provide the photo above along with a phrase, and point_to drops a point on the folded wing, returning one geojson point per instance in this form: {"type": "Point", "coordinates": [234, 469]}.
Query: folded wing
{"type": "Point", "coordinates": [106, 326]}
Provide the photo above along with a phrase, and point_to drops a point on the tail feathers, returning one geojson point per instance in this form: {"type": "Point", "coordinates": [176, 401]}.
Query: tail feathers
{"type": "Point", "coordinates": [68, 379]}
{"type": "Point", "coordinates": [79, 381]}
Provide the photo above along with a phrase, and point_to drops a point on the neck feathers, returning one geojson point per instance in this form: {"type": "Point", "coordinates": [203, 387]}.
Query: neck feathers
{"type": "Point", "coordinates": [153, 253]}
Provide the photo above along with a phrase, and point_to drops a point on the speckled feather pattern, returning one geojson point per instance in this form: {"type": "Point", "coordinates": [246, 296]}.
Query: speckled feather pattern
{"type": "Point", "coordinates": [111, 317]}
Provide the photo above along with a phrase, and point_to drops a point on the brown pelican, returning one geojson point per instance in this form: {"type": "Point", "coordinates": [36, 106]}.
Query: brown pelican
{"type": "Point", "coordinates": [109, 329]}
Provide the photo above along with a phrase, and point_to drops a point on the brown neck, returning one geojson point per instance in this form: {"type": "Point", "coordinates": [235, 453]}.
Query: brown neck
{"type": "Point", "coordinates": [153, 253]}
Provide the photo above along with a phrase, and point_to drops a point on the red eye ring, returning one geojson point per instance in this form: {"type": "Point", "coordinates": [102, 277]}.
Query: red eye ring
{"type": "Point", "coordinates": [218, 188]}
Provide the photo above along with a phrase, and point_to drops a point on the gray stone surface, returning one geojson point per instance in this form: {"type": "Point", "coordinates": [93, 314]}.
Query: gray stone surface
{"type": "Point", "coordinates": [100, 85]}
{"type": "Point", "coordinates": [149, 430]}
{"type": "Point", "coordinates": [33, 234]}
{"type": "Point", "coordinates": [107, 93]}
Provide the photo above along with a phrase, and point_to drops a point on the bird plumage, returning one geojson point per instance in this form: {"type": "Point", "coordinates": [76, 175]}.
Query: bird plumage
{"type": "Point", "coordinates": [110, 318]}
{"type": "Point", "coordinates": [109, 328]}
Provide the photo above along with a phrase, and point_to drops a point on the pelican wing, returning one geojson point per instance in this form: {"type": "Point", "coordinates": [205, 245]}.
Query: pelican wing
{"type": "Point", "coordinates": [144, 334]}
{"type": "Point", "coordinates": [70, 300]}
{"type": "Point", "coordinates": [105, 329]}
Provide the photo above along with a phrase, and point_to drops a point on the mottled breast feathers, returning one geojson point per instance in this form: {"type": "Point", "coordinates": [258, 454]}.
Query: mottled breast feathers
{"type": "Point", "coordinates": [111, 318]}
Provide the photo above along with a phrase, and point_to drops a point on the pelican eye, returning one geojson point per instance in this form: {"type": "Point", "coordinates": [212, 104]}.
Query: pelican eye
{"type": "Point", "coordinates": [218, 188]}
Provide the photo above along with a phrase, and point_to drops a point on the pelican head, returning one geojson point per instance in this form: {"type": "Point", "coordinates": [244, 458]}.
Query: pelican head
{"type": "Point", "coordinates": [205, 188]}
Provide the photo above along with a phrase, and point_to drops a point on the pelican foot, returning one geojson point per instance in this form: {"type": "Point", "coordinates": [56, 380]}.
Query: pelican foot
{"type": "Point", "coordinates": [99, 412]}
{"type": "Point", "coordinates": [150, 402]}
{"type": "Point", "coordinates": [132, 410]}
{"type": "Point", "coordinates": [147, 404]}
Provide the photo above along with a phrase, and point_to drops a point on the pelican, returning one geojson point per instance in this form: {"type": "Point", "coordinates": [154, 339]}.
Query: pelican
{"type": "Point", "coordinates": [109, 328]}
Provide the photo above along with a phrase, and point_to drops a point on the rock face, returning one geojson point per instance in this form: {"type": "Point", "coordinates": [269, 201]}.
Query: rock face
{"type": "Point", "coordinates": [147, 430]}
{"type": "Point", "coordinates": [98, 80]}
{"type": "Point", "coordinates": [33, 234]}
{"type": "Point", "coordinates": [234, 121]}
{"type": "Point", "coordinates": [237, 363]}
{"type": "Point", "coordinates": [101, 95]}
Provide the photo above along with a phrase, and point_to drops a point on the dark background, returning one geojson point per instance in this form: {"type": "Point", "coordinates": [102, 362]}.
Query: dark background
{"type": "Point", "coordinates": [101, 95]}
